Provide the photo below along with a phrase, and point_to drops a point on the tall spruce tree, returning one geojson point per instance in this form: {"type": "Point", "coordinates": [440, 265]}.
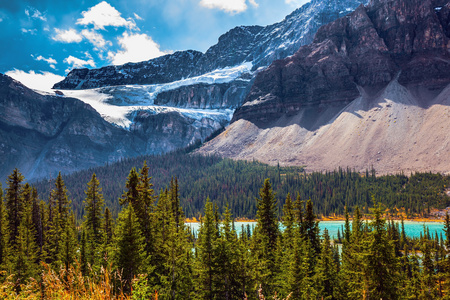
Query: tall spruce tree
{"type": "Point", "coordinates": [207, 256]}
{"type": "Point", "coordinates": [129, 247]}
{"type": "Point", "coordinates": [93, 207]}
{"type": "Point", "coordinates": [265, 239]}
{"type": "Point", "coordinates": [145, 208]}
{"type": "Point", "coordinates": [14, 205]}
{"type": "Point", "coordinates": [3, 232]}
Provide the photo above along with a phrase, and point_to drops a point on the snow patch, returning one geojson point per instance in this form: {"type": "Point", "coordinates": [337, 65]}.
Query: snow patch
{"type": "Point", "coordinates": [119, 104]}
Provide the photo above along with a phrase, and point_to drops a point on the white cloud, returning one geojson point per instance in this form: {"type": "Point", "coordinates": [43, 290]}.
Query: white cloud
{"type": "Point", "coordinates": [42, 81]}
{"type": "Point", "coordinates": [230, 6]}
{"type": "Point", "coordinates": [95, 38]}
{"type": "Point", "coordinates": [253, 3]}
{"type": "Point", "coordinates": [136, 48]}
{"type": "Point", "coordinates": [67, 36]}
{"type": "Point", "coordinates": [103, 14]}
{"type": "Point", "coordinates": [75, 62]}
{"type": "Point", "coordinates": [137, 17]}
{"type": "Point", "coordinates": [51, 61]}
{"type": "Point", "coordinates": [30, 31]}
{"type": "Point", "coordinates": [35, 14]}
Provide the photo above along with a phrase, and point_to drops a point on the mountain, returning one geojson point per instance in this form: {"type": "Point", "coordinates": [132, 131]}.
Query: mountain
{"type": "Point", "coordinates": [371, 90]}
{"type": "Point", "coordinates": [42, 135]}
{"type": "Point", "coordinates": [257, 44]}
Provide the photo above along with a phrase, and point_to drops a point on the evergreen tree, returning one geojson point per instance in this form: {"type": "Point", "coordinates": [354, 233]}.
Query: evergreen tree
{"type": "Point", "coordinates": [288, 222]}
{"type": "Point", "coordinates": [14, 205]}
{"type": "Point", "coordinates": [93, 208]}
{"type": "Point", "coordinates": [326, 273]}
{"type": "Point", "coordinates": [264, 239]}
{"type": "Point", "coordinates": [131, 196]}
{"type": "Point", "coordinates": [145, 207]}
{"type": "Point", "coordinates": [311, 227]}
{"type": "Point", "coordinates": [3, 232]}
{"type": "Point", "coordinates": [129, 246]}
{"type": "Point", "coordinates": [172, 270]}
{"type": "Point", "coordinates": [382, 263]}
{"type": "Point", "coordinates": [36, 216]}
{"type": "Point", "coordinates": [228, 262]}
{"type": "Point", "coordinates": [206, 248]}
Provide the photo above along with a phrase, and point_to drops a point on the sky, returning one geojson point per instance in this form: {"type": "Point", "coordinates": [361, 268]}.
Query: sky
{"type": "Point", "coordinates": [42, 40]}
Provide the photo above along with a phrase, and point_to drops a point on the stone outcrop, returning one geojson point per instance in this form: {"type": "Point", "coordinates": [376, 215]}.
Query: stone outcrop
{"type": "Point", "coordinates": [256, 44]}
{"type": "Point", "coordinates": [365, 50]}
{"type": "Point", "coordinates": [42, 135]}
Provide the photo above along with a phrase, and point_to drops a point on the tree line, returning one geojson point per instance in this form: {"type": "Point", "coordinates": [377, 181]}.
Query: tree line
{"type": "Point", "coordinates": [147, 252]}
{"type": "Point", "coordinates": [237, 183]}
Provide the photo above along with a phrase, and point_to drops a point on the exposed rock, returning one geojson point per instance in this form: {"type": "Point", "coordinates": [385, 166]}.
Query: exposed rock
{"type": "Point", "coordinates": [163, 69]}
{"type": "Point", "coordinates": [256, 44]}
{"type": "Point", "coordinates": [373, 89]}
{"type": "Point", "coordinates": [367, 48]}
{"type": "Point", "coordinates": [206, 96]}
{"type": "Point", "coordinates": [42, 135]}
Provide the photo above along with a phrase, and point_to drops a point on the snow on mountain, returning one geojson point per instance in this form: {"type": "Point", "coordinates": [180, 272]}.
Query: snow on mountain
{"type": "Point", "coordinates": [116, 104]}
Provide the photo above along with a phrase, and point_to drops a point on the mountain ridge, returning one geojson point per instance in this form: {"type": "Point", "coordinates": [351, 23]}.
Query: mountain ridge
{"type": "Point", "coordinates": [317, 107]}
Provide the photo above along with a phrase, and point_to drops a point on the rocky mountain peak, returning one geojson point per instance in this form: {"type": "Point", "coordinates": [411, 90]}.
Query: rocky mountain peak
{"type": "Point", "coordinates": [367, 48]}
{"type": "Point", "coordinates": [257, 44]}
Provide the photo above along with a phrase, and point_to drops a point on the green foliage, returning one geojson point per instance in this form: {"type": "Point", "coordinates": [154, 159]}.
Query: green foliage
{"type": "Point", "coordinates": [129, 256]}
{"type": "Point", "coordinates": [238, 182]}
{"type": "Point", "coordinates": [149, 252]}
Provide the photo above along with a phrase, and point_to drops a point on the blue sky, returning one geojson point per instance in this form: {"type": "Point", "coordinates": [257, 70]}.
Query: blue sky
{"type": "Point", "coordinates": [43, 40]}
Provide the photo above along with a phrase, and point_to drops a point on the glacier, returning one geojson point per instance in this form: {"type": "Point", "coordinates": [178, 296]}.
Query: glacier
{"type": "Point", "coordinates": [119, 104]}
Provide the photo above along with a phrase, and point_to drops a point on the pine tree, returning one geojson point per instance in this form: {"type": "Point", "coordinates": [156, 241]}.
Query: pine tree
{"type": "Point", "coordinates": [67, 243]}
{"type": "Point", "coordinates": [14, 205]}
{"type": "Point", "coordinates": [175, 199]}
{"type": "Point", "coordinates": [108, 227]}
{"type": "Point", "coordinates": [3, 232]}
{"type": "Point", "coordinates": [131, 196]}
{"type": "Point", "coordinates": [36, 216]}
{"type": "Point", "coordinates": [129, 246]}
{"type": "Point", "coordinates": [24, 257]}
{"type": "Point", "coordinates": [60, 233]}
{"type": "Point", "coordinates": [382, 263]}
{"type": "Point", "coordinates": [172, 268]}
{"type": "Point", "coordinates": [311, 227]}
{"type": "Point", "coordinates": [145, 208]}
{"type": "Point", "coordinates": [206, 247]}
{"type": "Point", "coordinates": [228, 262]}
{"type": "Point", "coordinates": [326, 273]}
{"type": "Point", "coordinates": [94, 203]}
{"type": "Point", "coordinates": [288, 222]}
{"type": "Point", "coordinates": [265, 240]}
{"type": "Point", "coordinates": [61, 201]}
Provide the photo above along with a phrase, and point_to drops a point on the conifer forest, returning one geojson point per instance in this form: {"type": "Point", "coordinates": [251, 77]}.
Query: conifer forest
{"type": "Point", "coordinates": [53, 247]}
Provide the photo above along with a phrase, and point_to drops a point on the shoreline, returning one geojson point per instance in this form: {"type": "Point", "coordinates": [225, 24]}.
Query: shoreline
{"type": "Point", "coordinates": [335, 219]}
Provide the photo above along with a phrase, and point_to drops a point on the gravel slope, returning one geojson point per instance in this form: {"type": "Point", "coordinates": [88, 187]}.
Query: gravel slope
{"type": "Point", "coordinates": [390, 130]}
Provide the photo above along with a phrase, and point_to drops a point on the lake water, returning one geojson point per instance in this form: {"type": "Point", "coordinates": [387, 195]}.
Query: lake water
{"type": "Point", "coordinates": [412, 229]}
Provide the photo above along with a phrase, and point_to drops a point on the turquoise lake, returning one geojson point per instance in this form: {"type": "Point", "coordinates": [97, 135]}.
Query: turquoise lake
{"type": "Point", "coordinates": [412, 229]}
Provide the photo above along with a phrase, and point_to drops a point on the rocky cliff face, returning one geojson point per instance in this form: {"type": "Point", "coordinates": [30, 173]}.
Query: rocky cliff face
{"type": "Point", "coordinates": [256, 44]}
{"type": "Point", "coordinates": [364, 50]}
{"type": "Point", "coordinates": [163, 69]}
{"type": "Point", "coordinates": [206, 96]}
{"type": "Point", "coordinates": [43, 134]}
{"type": "Point", "coordinates": [372, 89]}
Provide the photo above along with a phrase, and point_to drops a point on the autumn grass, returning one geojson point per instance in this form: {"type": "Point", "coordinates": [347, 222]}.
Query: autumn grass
{"type": "Point", "coordinates": [68, 284]}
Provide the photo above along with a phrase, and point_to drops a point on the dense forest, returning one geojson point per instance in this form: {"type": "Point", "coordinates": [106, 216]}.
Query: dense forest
{"type": "Point", "coordinates": [237, 183]}
{"type": "Point", "coordinates": [147, 252]}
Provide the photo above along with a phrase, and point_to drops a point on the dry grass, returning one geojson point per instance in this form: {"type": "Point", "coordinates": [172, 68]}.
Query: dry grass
{"type": "Point", "coordinates": [67, 284]}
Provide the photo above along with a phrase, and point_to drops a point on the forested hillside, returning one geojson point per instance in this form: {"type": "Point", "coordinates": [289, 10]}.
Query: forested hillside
{"type": "Point", "coordinates": [147, 252]}
{"type": "Point", "coordinates": [236, 183]}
